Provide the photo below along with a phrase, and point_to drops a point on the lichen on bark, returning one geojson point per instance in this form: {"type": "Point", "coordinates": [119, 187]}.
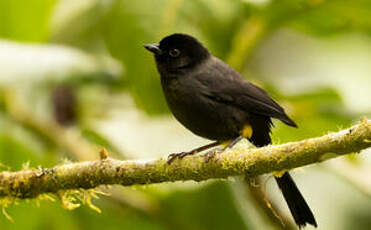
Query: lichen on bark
{"type": "Point", "coordinates": [244, 159]}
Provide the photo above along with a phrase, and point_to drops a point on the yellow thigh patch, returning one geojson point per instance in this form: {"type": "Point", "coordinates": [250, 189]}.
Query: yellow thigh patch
{"type": "Point", "coordinates": [279, 174]}
{"type": "Point", "coordinates": [225, 143]}
{"type": "Point", "coordinates": [247, 131]}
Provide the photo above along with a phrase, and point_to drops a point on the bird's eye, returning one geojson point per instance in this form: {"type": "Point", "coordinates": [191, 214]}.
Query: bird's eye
{"type": "Point", "coordinates": [174, 52]}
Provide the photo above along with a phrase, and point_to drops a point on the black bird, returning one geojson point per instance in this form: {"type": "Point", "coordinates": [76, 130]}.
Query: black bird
{"type": "Point", "coordinates": [215, 102]}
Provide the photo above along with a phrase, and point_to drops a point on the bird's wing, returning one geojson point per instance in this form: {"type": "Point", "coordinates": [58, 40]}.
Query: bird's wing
{"type": "Point", "coordinates": [239, 92]}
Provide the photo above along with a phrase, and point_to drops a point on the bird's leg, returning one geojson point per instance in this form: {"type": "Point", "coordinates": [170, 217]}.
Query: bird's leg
{"type": "Point", "coordinates": [173, 156]}
{"type": "Point", "coordinates": [212, 153]}
{"type": "Point", "coordinates": [233, 143]}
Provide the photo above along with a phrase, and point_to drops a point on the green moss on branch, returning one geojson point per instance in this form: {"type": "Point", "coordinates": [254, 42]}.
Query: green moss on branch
{"type": "Point", "coordinates": [244, 159]}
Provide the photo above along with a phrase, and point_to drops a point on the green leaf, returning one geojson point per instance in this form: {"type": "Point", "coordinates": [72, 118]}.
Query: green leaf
{"type": "Point", "coordinates": [316, 113]}
{"type": "Point", "coordinates": [125, 34]}
{"type": "Point", "coordinates": [26, 21]}
{"type": "Point", "coordinates": [211, 206]}
{"type": "Point", "coordinates": [336, 16]}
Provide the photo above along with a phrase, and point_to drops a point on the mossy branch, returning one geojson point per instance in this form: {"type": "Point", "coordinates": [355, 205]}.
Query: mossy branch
{"type": "Point", "coordinates": [243, 159]}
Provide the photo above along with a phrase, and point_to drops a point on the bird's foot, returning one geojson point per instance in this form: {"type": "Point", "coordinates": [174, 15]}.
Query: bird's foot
{"type": "Point", "coordinates": [174, 156]}
{"type": "Point", "coordinates": [210, 154]}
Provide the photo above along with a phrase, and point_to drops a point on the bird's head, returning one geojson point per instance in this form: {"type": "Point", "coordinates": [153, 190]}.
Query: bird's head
{"type": "Point", "coordinates": [178, 52]}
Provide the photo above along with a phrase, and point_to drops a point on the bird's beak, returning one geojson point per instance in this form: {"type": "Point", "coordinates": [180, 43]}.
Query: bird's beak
{"type": "Point", "coordinates": [154, 48]}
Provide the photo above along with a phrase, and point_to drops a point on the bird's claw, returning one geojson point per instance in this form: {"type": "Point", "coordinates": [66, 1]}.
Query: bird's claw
{"type": "Point", "coordinates": [174, 156]}
{"type": "Point", "coordinates": [210, 154]}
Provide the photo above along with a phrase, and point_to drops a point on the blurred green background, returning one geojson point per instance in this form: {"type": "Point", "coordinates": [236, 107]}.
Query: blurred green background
{"type": "Point", "coordinates": [74, 77]}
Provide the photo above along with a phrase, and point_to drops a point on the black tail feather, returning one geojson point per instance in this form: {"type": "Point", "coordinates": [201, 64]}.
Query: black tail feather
{"type": "Point", "coordinates": [288, 121]}
{"type": "Point", "coordinates": [297, 205]}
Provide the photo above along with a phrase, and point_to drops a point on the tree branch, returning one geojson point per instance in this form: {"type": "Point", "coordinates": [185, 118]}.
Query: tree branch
{"type": "Point", "coordinates": [243, 159]}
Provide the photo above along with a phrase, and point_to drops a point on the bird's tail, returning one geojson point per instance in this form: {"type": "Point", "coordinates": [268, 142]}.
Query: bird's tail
{"type": "Point", "coordinates": [297, 205]}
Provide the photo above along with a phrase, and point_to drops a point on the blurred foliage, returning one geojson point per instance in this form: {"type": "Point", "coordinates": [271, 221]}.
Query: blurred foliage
{"type": "Point", "coordinates": [335, 17]}
{"type": "Point", "coordinates": [316, 113]}
{"type": "Point", "coordinates": [192, 209]}
{"type": "Point", "coordinates": [26, 21]}
{"type": "Point", "coordinates": [101, 29]}
{"type": "Point", "coordinates": [142, 80]}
